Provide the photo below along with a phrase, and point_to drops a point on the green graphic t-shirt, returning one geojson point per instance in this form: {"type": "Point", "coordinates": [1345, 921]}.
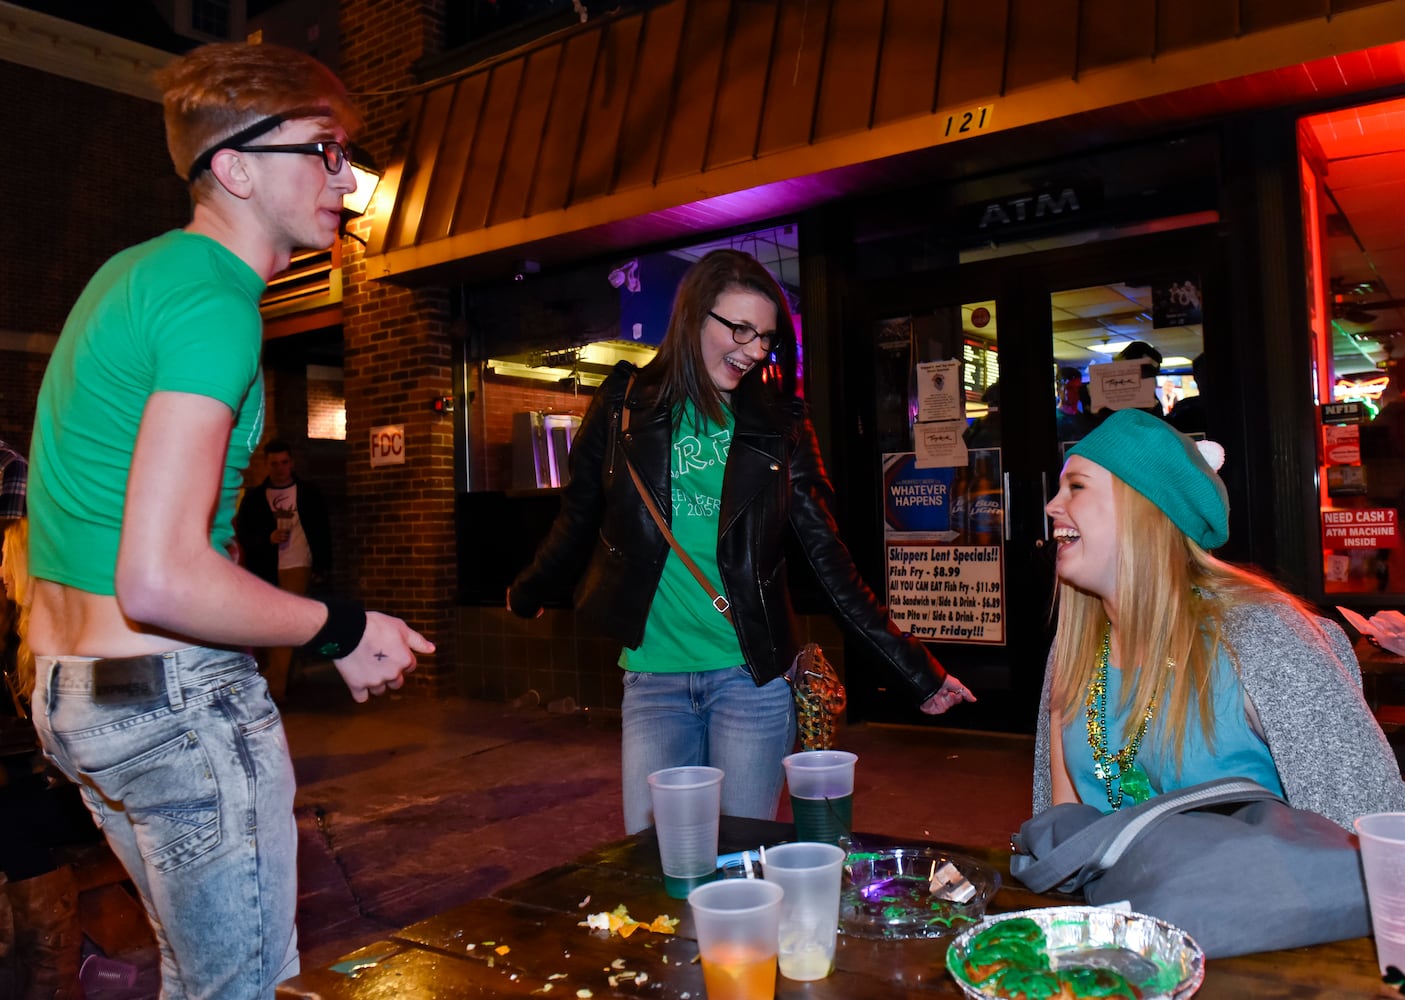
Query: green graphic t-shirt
{"type": "Point", "coordinates": [179, 313]}
{"type": "Point", "coordinates": [684, 631]}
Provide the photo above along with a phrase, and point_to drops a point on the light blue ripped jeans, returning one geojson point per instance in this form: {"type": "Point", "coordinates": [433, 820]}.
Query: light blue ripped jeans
{"type": "Point", "coordinates": [182, 760]}
{"type": "Point", "coordinates": [716, 718]}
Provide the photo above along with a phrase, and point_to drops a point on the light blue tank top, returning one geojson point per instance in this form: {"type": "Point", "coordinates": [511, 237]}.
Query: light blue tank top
{"type": "Point", "coordinates": [1239, 752]}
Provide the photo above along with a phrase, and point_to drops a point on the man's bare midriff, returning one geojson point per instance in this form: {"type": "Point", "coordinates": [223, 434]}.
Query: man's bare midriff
{"type": "Point", "coordinates": [65, 621]}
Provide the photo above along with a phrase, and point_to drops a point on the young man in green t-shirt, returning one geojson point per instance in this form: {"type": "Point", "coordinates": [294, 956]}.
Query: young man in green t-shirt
{"type": "Point", "coordinates": [151, 407]}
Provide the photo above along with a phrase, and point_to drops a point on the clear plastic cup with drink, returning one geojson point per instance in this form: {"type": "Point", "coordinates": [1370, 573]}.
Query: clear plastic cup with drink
{"type": "Point", "coordinates": [1382, 837]}
{"type": "Point", "coordinates": [737, 922]}
{"type": "Point", "coordinates": [810, 874]}
{"type": "Point", "coordinates": [687, 805]}
{"type": "Point", "coordinates": [821, 786]}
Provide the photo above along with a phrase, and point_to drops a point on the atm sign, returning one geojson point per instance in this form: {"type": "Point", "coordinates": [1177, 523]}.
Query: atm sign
{"type": "Point", "coordinates": [1368, 528]}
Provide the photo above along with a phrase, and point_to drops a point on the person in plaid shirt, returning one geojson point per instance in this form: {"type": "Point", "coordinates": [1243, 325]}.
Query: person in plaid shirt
{"type": "Point", "coordinates": [14, 481]}
{"type": "Point", "coordinates": [14, 487]}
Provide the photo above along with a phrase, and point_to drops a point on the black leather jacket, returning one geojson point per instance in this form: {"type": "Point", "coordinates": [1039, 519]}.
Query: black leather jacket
{"type": "Point", "coordinates": [605, 538]}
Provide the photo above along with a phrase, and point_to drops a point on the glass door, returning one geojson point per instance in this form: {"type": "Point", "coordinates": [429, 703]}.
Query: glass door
{"type": "Point", "coordinates": [947, 450]}
{"type": "Point", "coordinates": [943, 498]}
{"type": "Point", "coordinates": [980, 378]}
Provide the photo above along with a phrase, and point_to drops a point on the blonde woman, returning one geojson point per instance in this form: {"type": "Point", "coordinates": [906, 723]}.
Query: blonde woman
{"type": "Point", "coordinates": [14, 575]}
{"type": "Point", "coordinates": [1171, 667]}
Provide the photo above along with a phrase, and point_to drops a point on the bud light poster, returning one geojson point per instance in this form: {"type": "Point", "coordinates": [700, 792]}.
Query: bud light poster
{"type": "Point", "coordinates": [942, 533]}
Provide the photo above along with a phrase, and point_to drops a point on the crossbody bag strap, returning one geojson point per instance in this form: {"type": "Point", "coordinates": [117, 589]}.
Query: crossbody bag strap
{"type": "Point", "coordinates": [718, 601]}
{"type": "Point", "coordinates": [1100, 844]}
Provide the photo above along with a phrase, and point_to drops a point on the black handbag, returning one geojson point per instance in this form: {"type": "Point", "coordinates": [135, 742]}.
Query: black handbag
{"type": "Point", "coordinates": [1226, 861]}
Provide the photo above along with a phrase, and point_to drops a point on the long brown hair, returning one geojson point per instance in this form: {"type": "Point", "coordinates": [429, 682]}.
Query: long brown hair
{"type": "Point", "coordinates": [679, 366]}
{"type": "Point", "coordinates": [1172, 597]}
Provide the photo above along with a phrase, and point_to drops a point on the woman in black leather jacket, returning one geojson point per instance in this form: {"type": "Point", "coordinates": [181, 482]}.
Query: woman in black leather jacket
{"type": "Point", "coordinates": [732, 465]}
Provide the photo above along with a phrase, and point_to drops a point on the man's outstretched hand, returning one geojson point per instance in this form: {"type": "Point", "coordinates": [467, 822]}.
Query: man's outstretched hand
{"type": "Point", "coordinates": [383, 658]}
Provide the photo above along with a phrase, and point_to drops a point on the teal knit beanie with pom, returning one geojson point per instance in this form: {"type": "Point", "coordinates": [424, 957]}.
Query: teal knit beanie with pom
{"type": "Point", "coordinates": [1164, 466]}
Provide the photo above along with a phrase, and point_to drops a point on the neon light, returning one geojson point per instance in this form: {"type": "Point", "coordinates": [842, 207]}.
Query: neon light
{"type": "Point", "coordinates": [1363, 389]}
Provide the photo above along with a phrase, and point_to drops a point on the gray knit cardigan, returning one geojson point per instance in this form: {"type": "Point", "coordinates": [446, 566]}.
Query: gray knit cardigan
{"type": "Point", "coordinates": [1305, 686]}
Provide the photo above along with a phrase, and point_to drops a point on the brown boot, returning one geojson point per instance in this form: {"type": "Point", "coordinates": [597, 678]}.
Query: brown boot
{"type": "Point", "coordinates": [48, 941]}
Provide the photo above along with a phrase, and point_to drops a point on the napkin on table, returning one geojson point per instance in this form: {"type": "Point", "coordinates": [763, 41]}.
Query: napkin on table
{"type": "Point", "coordinates": [1386, 627]}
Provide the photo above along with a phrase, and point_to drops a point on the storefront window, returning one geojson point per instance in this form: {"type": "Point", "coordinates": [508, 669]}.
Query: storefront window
{"type": "Point", "coordinates": [543, 343]}
{"type": "Point", "coordinates": [1353, 186]}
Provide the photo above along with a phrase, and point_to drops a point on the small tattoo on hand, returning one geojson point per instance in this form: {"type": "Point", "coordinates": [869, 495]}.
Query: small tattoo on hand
{"type": "Point", "coordinates": [380, 656]}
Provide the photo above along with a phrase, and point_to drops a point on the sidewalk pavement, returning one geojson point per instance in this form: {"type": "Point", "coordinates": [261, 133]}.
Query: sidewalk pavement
{"type": "Point", "coordinates": [408, 806]}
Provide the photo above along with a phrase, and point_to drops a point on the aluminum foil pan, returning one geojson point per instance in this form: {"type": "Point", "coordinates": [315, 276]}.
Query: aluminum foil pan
{"type": "Point", "coordinates": [1162, 961]}
{"type": "Point", "coordinates": [886, 894]}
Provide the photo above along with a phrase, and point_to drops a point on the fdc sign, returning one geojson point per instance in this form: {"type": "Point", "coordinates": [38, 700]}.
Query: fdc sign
{"type": "Point", "coordinates": [388, 445]}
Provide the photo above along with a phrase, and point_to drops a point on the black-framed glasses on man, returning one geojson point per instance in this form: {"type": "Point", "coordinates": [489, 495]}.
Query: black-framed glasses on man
{"type": "Point", "coordinates": [333, 153]}
{"type": "Point", "coordinates": [745, 333]}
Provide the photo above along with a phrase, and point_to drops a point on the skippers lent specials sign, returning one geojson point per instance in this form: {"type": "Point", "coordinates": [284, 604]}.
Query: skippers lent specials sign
{"type": "Point", "coordinates": [942, 529]}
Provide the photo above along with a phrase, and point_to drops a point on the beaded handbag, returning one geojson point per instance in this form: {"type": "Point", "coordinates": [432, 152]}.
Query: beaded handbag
{"type": "Point", "coordinates": [819, 697]}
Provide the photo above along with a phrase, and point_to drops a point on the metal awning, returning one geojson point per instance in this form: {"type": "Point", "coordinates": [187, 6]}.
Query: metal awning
{"type": "Point", "coordinates": [694, 115]}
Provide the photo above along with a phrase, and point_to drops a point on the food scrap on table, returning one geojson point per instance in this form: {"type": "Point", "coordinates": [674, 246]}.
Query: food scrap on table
{"type": "Point", "coordinates": [618, 921]}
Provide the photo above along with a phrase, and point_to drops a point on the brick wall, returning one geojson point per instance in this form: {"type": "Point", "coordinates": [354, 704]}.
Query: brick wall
{"type": "Point", "coordinates": [86, 174]}
{"type": "Point", "coordinates": [20, 375]}
{"type": "Point", "coordinates": [79, 158]}
{"type": "Point", "coordinates": [398, 357]}
{"type": "Point", "coordinates": [326, 409]}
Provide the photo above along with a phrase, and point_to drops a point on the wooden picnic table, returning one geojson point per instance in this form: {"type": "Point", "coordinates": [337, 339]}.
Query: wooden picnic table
{"type": "Point", "coordinates": [526, 940]}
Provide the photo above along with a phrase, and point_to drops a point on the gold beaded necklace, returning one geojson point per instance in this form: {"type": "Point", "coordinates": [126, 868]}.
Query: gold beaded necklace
{"type": "Point", "coordinates": [1121, 766]}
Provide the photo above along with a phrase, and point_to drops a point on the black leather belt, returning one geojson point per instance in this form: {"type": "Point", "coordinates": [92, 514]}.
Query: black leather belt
{"type": "Point", "coordinates": [121, 678]}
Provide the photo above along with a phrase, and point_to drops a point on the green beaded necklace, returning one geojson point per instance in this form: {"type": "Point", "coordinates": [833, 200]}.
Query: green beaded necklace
{"type": "Point", "coordinates": [1121, 767]}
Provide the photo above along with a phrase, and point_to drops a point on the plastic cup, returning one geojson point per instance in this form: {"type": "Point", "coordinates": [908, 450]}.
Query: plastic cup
{"type": "Point", "coordinates": [1383, 859]}
{"type": "Point", "coordinates": [687, 802]}
{"type": "Point", "coordinates": [821, 786]}
{"type": "Point", "coordinates": [99, 972]}
{"type": "Point", "coordinates": [737, 922]}
{"type": "Point", "coordinates": [810, 874]}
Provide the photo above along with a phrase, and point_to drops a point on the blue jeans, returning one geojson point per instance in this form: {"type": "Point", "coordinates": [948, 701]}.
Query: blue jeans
{"type": "Point", "coordinates": [182, 760]}
{"type": "Point", "coordinates": [717, 718]}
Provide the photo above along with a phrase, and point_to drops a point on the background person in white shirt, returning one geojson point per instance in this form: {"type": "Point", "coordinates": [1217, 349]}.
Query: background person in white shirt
{"type": "Point", "coordinates": [285, 538]}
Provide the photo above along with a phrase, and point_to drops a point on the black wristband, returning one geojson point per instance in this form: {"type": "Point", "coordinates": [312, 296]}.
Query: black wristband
{"type": "Point", "coordinates": [341, 632]}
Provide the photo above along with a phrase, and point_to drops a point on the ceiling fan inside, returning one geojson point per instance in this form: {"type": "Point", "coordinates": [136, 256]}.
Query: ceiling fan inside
{"type": "Point", "coordinates": [1363, 313]}
{"type": "Point", "coordinates": [1351, 305]}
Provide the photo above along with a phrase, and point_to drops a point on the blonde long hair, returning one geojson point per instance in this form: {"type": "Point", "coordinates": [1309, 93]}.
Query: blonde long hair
{"type": "Point", "coordinates": [16, 566]}
{"type": "Point", "coordinates": [1172, 597]}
